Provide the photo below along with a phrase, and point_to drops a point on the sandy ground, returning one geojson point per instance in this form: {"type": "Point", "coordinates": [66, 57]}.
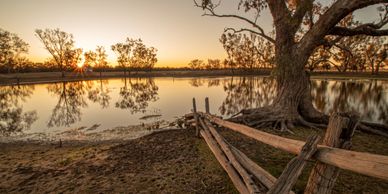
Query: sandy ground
{"type": "Point", "coordinates": [164, 162]}
{"type": "Point", "coordinates": [172, 161]}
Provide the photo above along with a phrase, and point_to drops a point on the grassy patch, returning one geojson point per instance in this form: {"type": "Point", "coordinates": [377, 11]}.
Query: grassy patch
{"type": "Point", "coordinates": [212, 167]}
{"type": "Point", "coordinates": [275, 160]}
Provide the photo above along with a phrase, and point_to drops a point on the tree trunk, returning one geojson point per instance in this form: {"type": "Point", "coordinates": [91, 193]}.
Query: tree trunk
{"type": "Point", "coordinates": [292, 83]}
{"type": "Point", "coordinates": [293, 102]}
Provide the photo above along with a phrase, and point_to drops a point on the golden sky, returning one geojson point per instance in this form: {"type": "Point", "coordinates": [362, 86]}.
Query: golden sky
{"type": "Point", "coordinates": [175, 27]}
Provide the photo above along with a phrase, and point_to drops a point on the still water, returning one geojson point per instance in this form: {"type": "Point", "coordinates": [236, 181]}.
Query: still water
{"type": "Point", "coordinates": [42, 108]}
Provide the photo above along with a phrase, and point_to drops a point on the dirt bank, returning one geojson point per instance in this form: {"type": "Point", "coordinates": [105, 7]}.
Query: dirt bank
{"type": "Point", "coordinates": [164, 162]}
{"type": "Point", "coordinates": [50, 77]}
{"type": "Point", "coordinates": [167, 162]}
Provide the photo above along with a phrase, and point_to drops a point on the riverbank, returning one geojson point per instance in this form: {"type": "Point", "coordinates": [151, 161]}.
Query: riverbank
{"type": "Point", "coordinates": [170, 162]}
{"type": "Point", "coordinates": [50, 77]}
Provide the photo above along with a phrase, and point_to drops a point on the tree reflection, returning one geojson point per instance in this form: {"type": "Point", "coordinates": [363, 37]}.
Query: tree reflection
{"type": "Point", "coordinates": [70, 101]}
{"type": "Point", "coordinates": [12, 118]}
{"type": "Point", "coordinates": [136, 94]}
{"type": "Point", "coordinates": [100, 94]}
{"type": "Point", "coordinates": [198, 82]}
{"type": "Point", "coordinates": [246, 92]}
{"type": "Point", "coordinates": [370, 97]}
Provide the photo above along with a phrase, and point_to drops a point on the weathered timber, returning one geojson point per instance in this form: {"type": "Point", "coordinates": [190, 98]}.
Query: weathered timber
{"type": "Point", "coordinates": [189, 115]}
{"type": "Point", "coordinates": [338, 134]}
{"type": "Point", "coordinates": [190, 121]}
{"type": "Point", "coordinates": [238, 183]}
{"type": "Point", "coordinates": [364, 163]}
{"type": "Point", "coordinates": [295, 167]}
{"type": "Point", "coordinates": [207, 108]}
{"type": "Point", "coordinates": [196, 118]}
{"type": "Point", "coordinates": [262, 175]}
{"type": "Point", "coordinates": [250, 184]}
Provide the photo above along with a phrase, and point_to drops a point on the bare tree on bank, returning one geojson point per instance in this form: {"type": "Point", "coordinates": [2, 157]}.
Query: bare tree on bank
{"type": "Point", "coordinates": [247, 52]}
{"type": "Point", "coordinates": [293, 105]}
{"type": "Point", "coordinates": [376, 54]}
{"type": "Point", "coordinates": [97, 59]}
{"type": "Point", "coordinates": [196, 64]}
{"type": "Point", "coordinates": [135, 54]}
{"type": "Point", "coordinates": [11, 49]}
{"type": "Point", "coordinates": [61, 47]}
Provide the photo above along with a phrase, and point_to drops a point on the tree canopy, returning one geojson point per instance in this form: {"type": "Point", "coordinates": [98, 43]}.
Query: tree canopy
{"type": "Point", "coordinates": [133, 53]}
{"type": "Point", "coordinates": [60, 45]}
{"type": "Point", "coordinates": [12, 47]}
{"type": "Point", "coordinates": [300, 28]}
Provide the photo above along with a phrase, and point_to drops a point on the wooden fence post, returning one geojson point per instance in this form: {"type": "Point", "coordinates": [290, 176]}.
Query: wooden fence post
{"type": "Point", "coordinates": [323, 176]}
{"type": "Point", "coordinates": [207, 105]}
{"type": "Point", "coordinates": [295, 167]}
{"type": "Point", "coordinates": [247, 179]}
{"type": "Point", "coordinates": [196, 118]}
{"type": "Point", "coordinates": [220, 156]}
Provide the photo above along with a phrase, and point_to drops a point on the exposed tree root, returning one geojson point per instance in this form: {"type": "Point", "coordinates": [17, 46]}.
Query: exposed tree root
{"type": "Point", "coordinates": [269, 117]}
{"type": "Point", "coordinates": [273, 118]}
{"type": "Point", "coordinates": [373, 128]}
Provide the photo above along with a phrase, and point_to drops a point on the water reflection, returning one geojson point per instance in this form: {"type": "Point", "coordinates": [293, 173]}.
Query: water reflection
{"type": "Point", "coordinates": [368, 97]}
{"type": "Point", "coordinates": [246, 92]}
{"type": "Point", "coordinates": [100, 94]}
{"type": "Point", "coordinates": [199, 82]}
{"type": "Point", "coordinates": [71, 98]}
{"type": "Point", "coordinates": [12, 117]}
{"type": "Point", "coordinates": [119, 102]}
{"type": "Point", "coordinates": [136, 94]}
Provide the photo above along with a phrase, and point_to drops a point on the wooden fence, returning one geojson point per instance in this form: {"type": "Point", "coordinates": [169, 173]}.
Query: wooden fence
{"type": "Point", "coordinates": [330, 156]}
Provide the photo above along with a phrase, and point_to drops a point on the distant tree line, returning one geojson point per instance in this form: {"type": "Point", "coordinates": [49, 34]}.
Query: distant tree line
{"type": "Point", "coordinates": [244, 51]}
{"type": "Point", "coordinates": [132, 55]}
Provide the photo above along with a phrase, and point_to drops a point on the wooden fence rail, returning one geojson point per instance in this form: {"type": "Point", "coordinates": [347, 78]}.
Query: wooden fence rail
{"type": "Point", "coordinates": [364, 163]}
{"type": "Point", "coordinates": [248, 177]}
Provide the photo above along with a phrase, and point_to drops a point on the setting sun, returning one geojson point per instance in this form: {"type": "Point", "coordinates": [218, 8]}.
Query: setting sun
{"type": "Point", "coordinates": [81, 63]}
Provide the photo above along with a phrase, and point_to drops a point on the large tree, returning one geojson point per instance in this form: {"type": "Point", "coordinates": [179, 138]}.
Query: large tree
{"type": "Point", "coordinates": [11, 49]}
{"type": "Point", "coordinates": [60, 45]}
{"type": "Point", "coordinates": [299, 31]}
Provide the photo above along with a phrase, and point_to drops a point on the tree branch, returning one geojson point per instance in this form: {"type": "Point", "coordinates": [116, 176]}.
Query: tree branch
{"type": "Point", "coordinates": [279, 11]}
{"type": "Point", "coordinates": [210, 8]}
{"type": "Point", "coordinates": [303, 7]}
{"type": "Point", "coordinates": [360, 30]}
{"type": "Point", "coordinates": [251, 31]}
{"type": "Point", "coordinates": [329, 20]}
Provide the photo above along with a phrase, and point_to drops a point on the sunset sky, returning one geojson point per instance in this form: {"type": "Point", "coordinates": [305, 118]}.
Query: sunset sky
{"type": "Point", "coordinates": [175, 27]}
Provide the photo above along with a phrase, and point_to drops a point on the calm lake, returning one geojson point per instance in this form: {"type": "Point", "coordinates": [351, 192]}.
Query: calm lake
{"type": "Point", "coordinates": [121, 102]}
